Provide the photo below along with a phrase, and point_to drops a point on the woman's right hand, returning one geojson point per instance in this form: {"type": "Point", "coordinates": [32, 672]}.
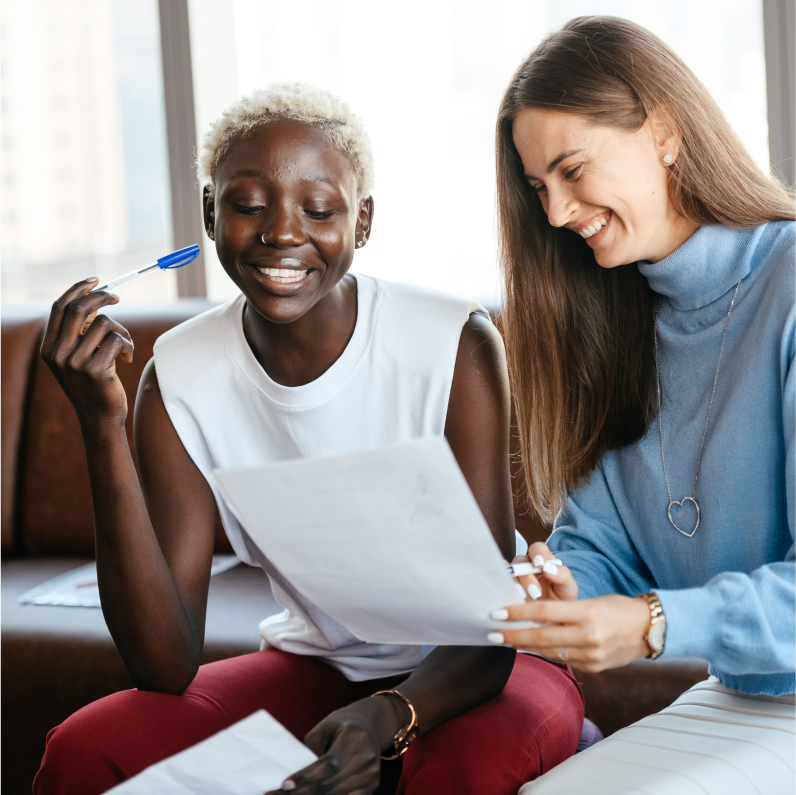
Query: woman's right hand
{"type": "Point", "coordinates": [555, 581]}
{"type": "Point", "coordinates": [81, 348]}
{"type": "Point", "coordinates": [349, 744]}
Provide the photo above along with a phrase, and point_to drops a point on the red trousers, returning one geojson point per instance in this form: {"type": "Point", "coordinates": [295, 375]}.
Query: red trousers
{"type": "Point", "coordinates": [533, 725]}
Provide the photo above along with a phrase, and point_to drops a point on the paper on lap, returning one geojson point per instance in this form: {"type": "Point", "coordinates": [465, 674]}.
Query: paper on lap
{"type": "Point", "coordinates": [251, 757]}
{"type": "Point", "coordinates": [390, 543]}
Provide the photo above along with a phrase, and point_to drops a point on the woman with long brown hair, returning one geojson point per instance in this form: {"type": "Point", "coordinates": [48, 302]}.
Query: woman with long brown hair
{"type": "Point", "coordinates": [649, 323]}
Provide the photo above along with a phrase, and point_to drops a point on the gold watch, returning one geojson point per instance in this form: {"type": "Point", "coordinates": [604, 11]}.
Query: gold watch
{"type": "Point", "coordinates": [404, 736]}
{"type": "Point", "coordinates": [655, 637]}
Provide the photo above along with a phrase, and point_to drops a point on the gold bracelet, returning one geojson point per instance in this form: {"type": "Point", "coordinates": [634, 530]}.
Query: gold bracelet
{"type": "Point", "coordinates": [404, 736]}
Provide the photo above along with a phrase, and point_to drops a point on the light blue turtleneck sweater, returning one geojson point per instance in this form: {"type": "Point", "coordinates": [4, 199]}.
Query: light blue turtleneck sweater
{"type": "Point", "coordinates": [727, 592]}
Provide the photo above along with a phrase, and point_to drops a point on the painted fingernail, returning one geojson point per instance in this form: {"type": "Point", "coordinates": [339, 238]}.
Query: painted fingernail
{"type": "Point", "coordinates": [534, 591]}
{"type": "Point", "coordinates": [557, 562]}
{"type": "Point", "coordinates": [288, 785]}
{"type": "Point", "coordinates": [500, 615]}
{"type": "Point", "coordinates": [520, 592]}
{"type": "Point", "coordinates": [496, 637]}
{"type": "Point", "coordinates": [550, 568]}
{"type": "Point", "coordinates": [538, 561]}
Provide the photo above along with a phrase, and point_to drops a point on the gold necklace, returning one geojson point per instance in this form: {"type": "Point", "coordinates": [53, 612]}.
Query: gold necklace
{"type": "Point", "coordinates": [692, 498]}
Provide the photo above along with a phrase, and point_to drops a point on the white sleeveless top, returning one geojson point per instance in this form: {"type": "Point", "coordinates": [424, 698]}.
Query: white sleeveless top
{"type": "Point", "coordinates": [390, 385]}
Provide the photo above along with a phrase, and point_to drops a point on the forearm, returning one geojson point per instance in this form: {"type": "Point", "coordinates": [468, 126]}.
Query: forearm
{"type": "Point", "coordinates": [741, 623]}
{"type": "Point", "coordinates": [598, 575]}
{"type": "Point", "coordinates": [454, 679]}
{"type": "Point", "coordinates": [140, 601]}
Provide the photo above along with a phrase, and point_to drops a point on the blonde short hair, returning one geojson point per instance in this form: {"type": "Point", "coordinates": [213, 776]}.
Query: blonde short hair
{"type": "Point", "coordinates": [313, 106]}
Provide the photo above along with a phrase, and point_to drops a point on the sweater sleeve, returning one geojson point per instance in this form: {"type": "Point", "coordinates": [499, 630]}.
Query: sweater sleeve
{"type": "Point", "coordinates": [743, 623]}
{"type": "Point", "coordinates": [590, 538]}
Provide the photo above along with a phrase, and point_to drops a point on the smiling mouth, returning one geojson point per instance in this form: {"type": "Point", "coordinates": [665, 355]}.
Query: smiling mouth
{"type": "Point", "coordinates": [595, 225]}
{"type": "Point", "coordinates": [284, 275]}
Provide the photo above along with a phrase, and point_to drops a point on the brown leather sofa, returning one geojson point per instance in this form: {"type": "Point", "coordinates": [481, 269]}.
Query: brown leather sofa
{"type": "Point", "coordinates": [57, 659]}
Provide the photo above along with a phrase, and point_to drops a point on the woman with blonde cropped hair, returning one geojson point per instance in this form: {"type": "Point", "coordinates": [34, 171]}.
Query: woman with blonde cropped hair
{"type": "Point", "coordinates": [308, 361]}
{"type": "Point", "coordinates": [649, 323]}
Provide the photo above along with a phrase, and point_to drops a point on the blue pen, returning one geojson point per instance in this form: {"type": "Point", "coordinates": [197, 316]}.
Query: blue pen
{"type": "Point", "coordinates": [169, 262]}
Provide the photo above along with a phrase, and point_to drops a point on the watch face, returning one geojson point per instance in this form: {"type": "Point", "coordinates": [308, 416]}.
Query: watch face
{"type": "Point", "coordinates": [657, 636]}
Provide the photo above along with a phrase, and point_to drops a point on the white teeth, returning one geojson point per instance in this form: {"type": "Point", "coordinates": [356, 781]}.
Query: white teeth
{"type": "Point", "coordinates": [594, 228]}
{"type": "Point", "coordinates": [283, 275]}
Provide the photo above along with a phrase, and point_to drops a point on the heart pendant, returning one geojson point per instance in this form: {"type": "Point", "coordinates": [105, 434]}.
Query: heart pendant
{"type": "Point", "coordinates": [680, 505]}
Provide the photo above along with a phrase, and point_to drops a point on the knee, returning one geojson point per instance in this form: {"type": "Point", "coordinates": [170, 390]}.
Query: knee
{"type": "Point", "coordinates": [68, 762]}
{"type": "Point", "coordinates": [533, 725]}
{"type": "Point", "coordinates": [79, 754]}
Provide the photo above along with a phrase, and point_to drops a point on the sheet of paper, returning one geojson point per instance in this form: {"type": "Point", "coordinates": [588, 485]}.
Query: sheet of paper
{"type": "Point", "coordinates": [390, 543]}
{"type": "Point", "coordinates": [78, 588]}
{"type": "Point", "coordinates": [251, 757]}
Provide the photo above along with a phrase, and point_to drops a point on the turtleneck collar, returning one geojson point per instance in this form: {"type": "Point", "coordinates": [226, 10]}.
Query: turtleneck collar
{"type": "Point", "coordinates": [711, 262]}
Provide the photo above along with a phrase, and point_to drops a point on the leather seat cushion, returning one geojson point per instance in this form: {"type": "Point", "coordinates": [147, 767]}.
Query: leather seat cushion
{"type": "Point", "coordinates": [621, 696]}
{"type": "Point", "coordinates": [54, 514]}
{"type": "Point", "coordinates": [21, 334]}
{"type": "Point", "coordinates": [56, 660]}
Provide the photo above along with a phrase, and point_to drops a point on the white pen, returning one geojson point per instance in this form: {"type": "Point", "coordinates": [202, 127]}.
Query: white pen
{"type": "Point", "coordinates": [169, 262]}
{"type": "Point", "coordinates": [521, 569]}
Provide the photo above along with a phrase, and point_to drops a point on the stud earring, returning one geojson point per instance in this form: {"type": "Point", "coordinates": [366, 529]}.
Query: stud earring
{"type": "Point", "coordinates": [210, 234]}
{"type": "Point", "coordinates": [360, 244]}
{"type": "Point", "coordinates": [667, 159]}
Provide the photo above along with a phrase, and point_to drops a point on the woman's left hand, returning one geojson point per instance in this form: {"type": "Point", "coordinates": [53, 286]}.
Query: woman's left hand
{"type": "Point", "coordinates": [349, 744]}
{"type": "Point", "coordinates": [591, 634]}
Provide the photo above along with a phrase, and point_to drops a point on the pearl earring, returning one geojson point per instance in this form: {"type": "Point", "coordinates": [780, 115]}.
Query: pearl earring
{"type": "Point", "coordinates": [667, 159]}
{"type": "Point", "coordinates": [360, 244]}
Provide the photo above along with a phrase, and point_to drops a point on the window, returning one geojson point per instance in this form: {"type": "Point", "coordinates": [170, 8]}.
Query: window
{"type": "Point", "coordinates": [85, 173]}
{"type": "Point", "coordinates": [84, 167]}
{"type": "Point", "coordinates": [427, 78]}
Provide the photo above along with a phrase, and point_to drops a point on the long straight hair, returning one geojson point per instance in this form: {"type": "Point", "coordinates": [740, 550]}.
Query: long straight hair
{"type": "Point", "coordinates": [579, 338]}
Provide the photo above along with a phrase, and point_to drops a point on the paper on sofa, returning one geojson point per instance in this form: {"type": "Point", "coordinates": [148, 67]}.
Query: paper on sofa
{"type": "Point", "coordinates": [78, 587]}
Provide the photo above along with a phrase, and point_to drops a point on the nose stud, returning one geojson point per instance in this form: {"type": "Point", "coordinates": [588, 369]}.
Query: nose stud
{"type": "Point", "coordinates": [667, 159]}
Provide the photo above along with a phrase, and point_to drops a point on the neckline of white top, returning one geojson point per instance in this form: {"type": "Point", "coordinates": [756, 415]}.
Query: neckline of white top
{"type": "Point", "coordinates": [327, 385]}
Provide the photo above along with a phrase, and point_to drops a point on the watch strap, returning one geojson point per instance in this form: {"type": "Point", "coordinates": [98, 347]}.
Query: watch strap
{"type": "Point", "coordinates": [656, 617]}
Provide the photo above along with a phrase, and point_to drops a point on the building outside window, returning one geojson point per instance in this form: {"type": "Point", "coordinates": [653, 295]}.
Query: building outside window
{"type": "Point", "coordinates": [85, 176]}
{"type": "Point", "coordinates": [85, 187]}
